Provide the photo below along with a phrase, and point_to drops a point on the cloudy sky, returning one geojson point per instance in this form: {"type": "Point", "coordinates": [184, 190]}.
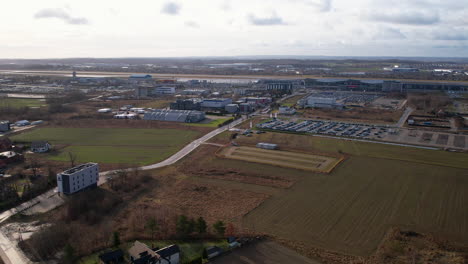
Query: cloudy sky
{"type": "Point", "coordinates": [175, 28]}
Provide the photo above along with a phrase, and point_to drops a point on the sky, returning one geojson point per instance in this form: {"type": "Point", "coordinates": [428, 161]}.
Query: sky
{"type": "Point", "coordinates": [179, 28]}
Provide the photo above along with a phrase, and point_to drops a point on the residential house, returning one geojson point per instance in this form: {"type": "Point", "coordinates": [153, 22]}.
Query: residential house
{"type": "Point", "coordinates": [9, 157]}
{"type": "Point", "coordinates": [40, 146]}
{"type": "Point", "coordinates": [112, 257]}
{"type": "Point", "coordinates": [140, 253]}
{"type": "Point", "coordinates": [169, 254]}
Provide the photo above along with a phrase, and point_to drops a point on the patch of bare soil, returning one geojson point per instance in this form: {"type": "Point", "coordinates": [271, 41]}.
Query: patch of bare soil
{"type": "Point", "coordinates": [398, 247]}
{"type": "Point", "coordinates": [361, 115]}
{"type": "Point", "coordinates": [252, 178]}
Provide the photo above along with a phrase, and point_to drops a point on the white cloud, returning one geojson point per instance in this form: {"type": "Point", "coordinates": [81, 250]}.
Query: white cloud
{"type": "Point", "coordinates": [192, 24]}
{"type": "Point", "coordinates": [61, 14]}
{"type": "Point", "coordinates": [272, 20]}
{"type": "Point", "coordinates": [406, 17]}
{"type": "Point", "coordinates": [171, 8]}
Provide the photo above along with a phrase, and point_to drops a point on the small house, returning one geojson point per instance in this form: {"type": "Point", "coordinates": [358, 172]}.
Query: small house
{"type": "Point", "coordinates": [140, 253]}
{"type": "Point", "coordinates": [169, 254]}
{"type": "Point", "coordinates": [40, 146]}
{"type": "Point", "coordinates": [9, 157]}
{"type": "Point", "coordinates": [112, 257]}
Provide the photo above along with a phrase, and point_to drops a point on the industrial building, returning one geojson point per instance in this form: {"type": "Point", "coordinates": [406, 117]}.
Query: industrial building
{"type": "Point", "coordinates": [286, 110]}
{"type": "Point", "coordinates": [257, 100]}
{"type": "Point", "coordinates": [245, 108]}
{"type": "Point", "coordinates": [385, 86]}
{"type": "Point", "coordinates": [197, 92]}
{"type": "Point", "coordinates": [147, 91]}
{"type": "Point", "coordinates": [184, 116]}
{"type": "Point", "coordinates": [187, 104]}
{"type": "Point", "coordinates": [232, 108]}
{"type": "Point", "coordinates": [216, 103]}
{"type": "Point", "coordinates": [322, 102]}
{"type": "Point", "coordinates": [163, 90]}
{"type": "Point", "coordinates": [4, 126]}
{"type": "Point", "coordinates": [78, 178]}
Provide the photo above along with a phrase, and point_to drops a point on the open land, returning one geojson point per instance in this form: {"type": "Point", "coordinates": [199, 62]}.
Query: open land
{"type": "Point", "coordinates": [355, 114]}
{"type": "Point", "coordinates": [111, 145]}
{"type": "Point", "coordinates": [21, 102]}
{"type": "Point", "coordinates": [280, 158]}
{"type": "Point", "coordinates": [376, 188]}
{"type": "Point", "coordinates": [267, 252]}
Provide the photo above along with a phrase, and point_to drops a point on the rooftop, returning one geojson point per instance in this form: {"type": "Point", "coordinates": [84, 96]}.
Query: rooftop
{"type": "Point", "coordinates": [139, 250]}
{"type": "Point", "coordinates": [79, 168]}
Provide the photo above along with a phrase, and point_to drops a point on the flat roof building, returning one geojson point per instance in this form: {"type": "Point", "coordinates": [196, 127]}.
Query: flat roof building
{"type": "Point", "coordinates": [78, 178]}
{"type": "Point", "coordinates": [184, 116]}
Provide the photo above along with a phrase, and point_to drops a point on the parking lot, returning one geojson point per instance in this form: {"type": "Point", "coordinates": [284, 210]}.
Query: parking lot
{"type": "Point", "coordinates": [374, 132]}
{"type": "Point", "coordinates": [331, 128]}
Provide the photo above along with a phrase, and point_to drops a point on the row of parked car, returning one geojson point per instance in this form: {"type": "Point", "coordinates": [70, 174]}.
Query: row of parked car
{"type": "Point", "coordinates": [327, 127]}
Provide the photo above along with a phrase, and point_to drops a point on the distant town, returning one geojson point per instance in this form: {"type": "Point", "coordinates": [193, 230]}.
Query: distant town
{"type": "Point", "coordinates": [220, 160]}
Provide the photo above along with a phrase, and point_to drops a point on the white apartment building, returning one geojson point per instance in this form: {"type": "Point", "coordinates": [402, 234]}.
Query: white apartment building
{"type": "Point", "coordinates": [78, 178]}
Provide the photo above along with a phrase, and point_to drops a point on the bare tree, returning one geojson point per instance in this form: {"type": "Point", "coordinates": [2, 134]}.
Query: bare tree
{"type": "Point", "coordinates": [34, 165]}
{"type": "Point", "coordinates": [72, 158]}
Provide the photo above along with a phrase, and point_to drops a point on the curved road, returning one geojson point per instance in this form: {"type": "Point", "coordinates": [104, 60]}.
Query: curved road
{"type": "Point", "coordinates": [10, 253]}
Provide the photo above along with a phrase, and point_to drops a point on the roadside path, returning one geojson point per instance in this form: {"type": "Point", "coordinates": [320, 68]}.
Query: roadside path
{"type": "Point", "coordinates": [404, 117]}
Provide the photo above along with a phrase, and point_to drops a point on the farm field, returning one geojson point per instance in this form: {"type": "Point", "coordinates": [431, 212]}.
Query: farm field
{"type": "Point", "coordinates": [351, 209]}
{"type": "Point", "coordinates": [295, 160]}
{"type": "Point", "coordinates": [20, 103]}
{"type": "Point", "coordinates": [111, 145]}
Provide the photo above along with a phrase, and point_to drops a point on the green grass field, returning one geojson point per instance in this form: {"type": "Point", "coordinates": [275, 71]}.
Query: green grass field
{"type": "Point", "coordinates": [110, 145]}
{"type": "Point", "coordinates": [377, 187]}
{"type": "Point", "coordinates": [20, 103]}
{"type": "Point", "coordinates": [355, 148]}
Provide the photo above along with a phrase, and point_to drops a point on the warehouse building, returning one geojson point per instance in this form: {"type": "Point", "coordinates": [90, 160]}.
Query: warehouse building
{"type": "Point", "coordinates": [385, 86]}
{"type": "Point", "coordinates": [163, 90]}
{"type": "Point", "coordinates": [78, 178]}
{"type": "Point", "coordinates": [143, 91]}
{"type": "Point", "coordinates": [187, 104]}
{"type": "Point", "coordinates": [197, 92]}
{"type": "Point", "coordinates": [232, 108]}
{"type": "Point", "coordinates": [183, 116]}
{"type": "Point", "coordinates": [216, 103]}
{"type": "Point", "coordinates": [322, 102]}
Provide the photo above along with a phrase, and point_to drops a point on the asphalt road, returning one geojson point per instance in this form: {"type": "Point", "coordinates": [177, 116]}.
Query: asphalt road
{"type": "Point", "coordinates": [10, 253]}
